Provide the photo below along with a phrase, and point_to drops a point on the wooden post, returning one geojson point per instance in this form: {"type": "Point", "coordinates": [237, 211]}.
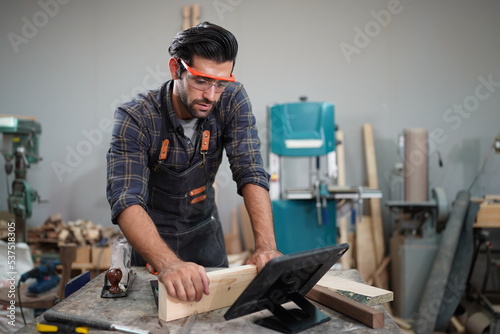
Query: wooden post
{"type": "Point", "coordinates": [195, 14]}
{"type": "Point", "coordinates": [67, 255]}
{"type": "Point", "coordinates": [186, 17]}
{"type": "Point", "coordinates": [381, 277]}
{"type": "Point", "coordinates": [346, 259]}
{"type": "Point", "coordinates": [371, 168]}
{"type": "Point", "coordinates": [366, 261]}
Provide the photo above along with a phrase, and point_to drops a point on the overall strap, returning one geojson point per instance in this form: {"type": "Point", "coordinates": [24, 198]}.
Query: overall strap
{"type": "Point", "coordinates": [161, 152]}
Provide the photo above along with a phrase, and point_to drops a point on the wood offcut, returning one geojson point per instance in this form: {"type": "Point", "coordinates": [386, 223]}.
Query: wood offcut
{"type": "Point", "coordinates": [365, 314]}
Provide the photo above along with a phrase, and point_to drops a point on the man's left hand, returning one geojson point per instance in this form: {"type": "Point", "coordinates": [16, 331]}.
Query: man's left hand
{"type": "Point", "coordinates": [261, 256]}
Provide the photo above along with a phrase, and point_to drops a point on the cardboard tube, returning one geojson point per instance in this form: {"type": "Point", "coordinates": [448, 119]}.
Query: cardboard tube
{"type": "Point", "coordinates": [416, 165]}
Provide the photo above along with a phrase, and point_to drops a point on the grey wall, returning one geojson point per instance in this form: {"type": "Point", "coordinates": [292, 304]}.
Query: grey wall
{"type": "Point", "coordinates": [69, 63]}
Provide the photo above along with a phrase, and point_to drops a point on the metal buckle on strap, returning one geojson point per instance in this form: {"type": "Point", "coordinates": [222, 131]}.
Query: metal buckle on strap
{"type": "Point", "coordinates": [205, 142]}
{"type": "Point", "coordinates": [163, 154]}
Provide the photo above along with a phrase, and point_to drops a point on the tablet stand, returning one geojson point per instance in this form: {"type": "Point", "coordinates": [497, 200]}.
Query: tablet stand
{"type": "Point", "coordinates": [293, 320]}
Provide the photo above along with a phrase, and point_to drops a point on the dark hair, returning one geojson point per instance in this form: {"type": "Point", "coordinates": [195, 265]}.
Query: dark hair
{"type": "Point", "coordinates": [206, 40]}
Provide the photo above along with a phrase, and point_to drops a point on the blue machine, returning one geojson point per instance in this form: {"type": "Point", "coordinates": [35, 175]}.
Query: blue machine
{"type": "Point", "coordinates": [304, 218]}
{"type": "Point", "coordinates": [46, 277]}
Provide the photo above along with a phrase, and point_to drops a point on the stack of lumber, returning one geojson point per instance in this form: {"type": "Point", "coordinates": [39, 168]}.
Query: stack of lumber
{"type": "Point", "coordinates": [92, 242]}
{"type": "Point", "coordinates": [54, 232]}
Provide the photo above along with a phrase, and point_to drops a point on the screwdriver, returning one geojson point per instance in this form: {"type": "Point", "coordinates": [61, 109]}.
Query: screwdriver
{"type": "Point", "coordinates": [60, 328]}
{"type": "Point", "coordinates": [54, 316]}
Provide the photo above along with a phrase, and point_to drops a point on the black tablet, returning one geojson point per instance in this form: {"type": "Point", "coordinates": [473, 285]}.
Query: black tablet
{"type": "Point", "coordinates": [284, 279]}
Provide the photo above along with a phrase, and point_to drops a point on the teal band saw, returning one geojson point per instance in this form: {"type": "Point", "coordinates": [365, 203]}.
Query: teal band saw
{"type": "Point", "coordinates": [303, 133]}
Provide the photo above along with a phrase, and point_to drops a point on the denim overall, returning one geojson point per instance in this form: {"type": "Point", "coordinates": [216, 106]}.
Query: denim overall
{"type": "Point", "coordinates": [182, 204]}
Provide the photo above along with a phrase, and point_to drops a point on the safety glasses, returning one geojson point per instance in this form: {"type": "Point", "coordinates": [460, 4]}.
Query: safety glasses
{"type": "Point", "coordinates": [202, 81]}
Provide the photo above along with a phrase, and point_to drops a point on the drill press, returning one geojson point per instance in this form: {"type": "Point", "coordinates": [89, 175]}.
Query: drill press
{"type": "Point", "coordinates": [20, 150]}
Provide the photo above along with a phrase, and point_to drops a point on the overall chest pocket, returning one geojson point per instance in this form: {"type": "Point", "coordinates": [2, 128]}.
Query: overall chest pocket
{"type": "Point", "coordinates": [184, 197]}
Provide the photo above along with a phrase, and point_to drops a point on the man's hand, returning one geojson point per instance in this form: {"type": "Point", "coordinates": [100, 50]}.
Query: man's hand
{"type": "Point", "coordinates": [262, 256]}
{"type": "Point", "coordinates": [185, 281]}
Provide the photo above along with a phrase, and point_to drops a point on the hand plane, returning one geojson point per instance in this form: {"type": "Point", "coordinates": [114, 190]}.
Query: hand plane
{"type": "Point", "coordinates": [120, 276]}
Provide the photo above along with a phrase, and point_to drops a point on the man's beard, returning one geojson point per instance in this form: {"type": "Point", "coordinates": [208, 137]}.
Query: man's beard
{"type": "Point", "coordinates": [190, 107]}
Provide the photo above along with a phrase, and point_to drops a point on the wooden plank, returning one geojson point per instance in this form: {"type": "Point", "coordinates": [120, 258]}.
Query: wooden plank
{"type": "Point", "coordinates": [195, 14]}
{"type": "Point", "coordinates": [486, 225]}
{"type": "Point", "coordinates": [67, 254]}
{"type": "Point", "coordinates": [492, 197]}
{"type": "Point", "coordinates": [488, 213]}
{"type": "Point", "coordinates": [366, 262]}
{"type": "Point", "coordinates": [186, 16]}
{"type": "Point", "coordinates": [365, 314]}
{"type": "Point", "coordinates": [226, 285]}
{"type": "Point", "coordinates": [340, 149]}
{"type": "Point", "coordinates": [371, 167]}
{"type": "Point", "coordinates": [360, 292]}
{"type": "Point", "coordinates": [381, 277]}
{"type": "Point", "coordinates": [343, 223]}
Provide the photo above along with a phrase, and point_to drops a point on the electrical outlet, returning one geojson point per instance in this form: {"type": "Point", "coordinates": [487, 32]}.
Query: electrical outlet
{"type": "Point", "coordinates": [497, 144]}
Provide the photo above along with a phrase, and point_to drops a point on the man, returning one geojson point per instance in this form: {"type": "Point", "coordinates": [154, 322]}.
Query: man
{"type": "Point", "coordinates": [166, 147]}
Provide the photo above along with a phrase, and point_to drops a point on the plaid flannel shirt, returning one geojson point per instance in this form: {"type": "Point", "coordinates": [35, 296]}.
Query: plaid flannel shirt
{"type": "Point", "coordinates": [136, 138]}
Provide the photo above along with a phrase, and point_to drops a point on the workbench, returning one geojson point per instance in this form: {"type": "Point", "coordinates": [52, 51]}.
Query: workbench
{"type": "Point", "coordinates": [488, 300]}
{"type": "Point", "coordinates": [139, 310]}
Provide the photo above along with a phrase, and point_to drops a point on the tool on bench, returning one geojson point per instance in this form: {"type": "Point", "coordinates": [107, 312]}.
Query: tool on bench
{"type": "Point", "coordinates": [186, 328]}
{"type": "Point", "coordinates": [74, 320]}
{"type": "Point", "coordinates": [120, 276]}
{"type": "Point", "coordinates": [60, 328]}
{"type": "Point", "coordinates": [46, 277]}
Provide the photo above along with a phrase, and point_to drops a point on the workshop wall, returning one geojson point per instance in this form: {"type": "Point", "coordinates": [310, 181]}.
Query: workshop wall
{"type": "Point", "coordinates": [395, 64]}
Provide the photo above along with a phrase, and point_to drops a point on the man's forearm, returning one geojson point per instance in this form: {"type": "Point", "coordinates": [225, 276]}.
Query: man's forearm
{"type": "Point", "coordinates": [142, 234]}
{"type": "Point", "coordinates": [258, 205]}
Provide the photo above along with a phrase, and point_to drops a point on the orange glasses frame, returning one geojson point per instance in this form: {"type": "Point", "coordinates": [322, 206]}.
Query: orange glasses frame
{"type": "Point", "coordinates": [200, 74]}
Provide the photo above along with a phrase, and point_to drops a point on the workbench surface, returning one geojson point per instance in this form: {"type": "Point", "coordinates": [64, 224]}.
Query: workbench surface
{"type": "Point", "coordinates": [139, 310]}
